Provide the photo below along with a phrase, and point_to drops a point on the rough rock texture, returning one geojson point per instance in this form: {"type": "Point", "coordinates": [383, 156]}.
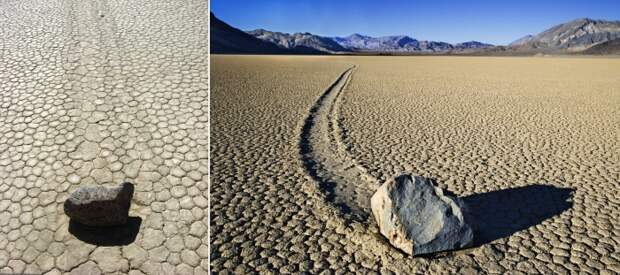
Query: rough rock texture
{"type": "Point", "coordinates": [100, 205]}
{"type": "Point", "coordinates": [416, 217]}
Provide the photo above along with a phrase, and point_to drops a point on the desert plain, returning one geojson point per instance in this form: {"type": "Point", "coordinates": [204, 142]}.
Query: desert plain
{"type": "Point", "coordinates": [100, 93]}
{"type": "Point", "coordinates": [300, 143]}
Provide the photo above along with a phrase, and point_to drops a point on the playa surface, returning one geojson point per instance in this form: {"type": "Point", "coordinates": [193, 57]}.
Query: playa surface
{"type": "Point", "coordinates": [299, 145]}
{"type": "Point", "coordinates": [102, 92]}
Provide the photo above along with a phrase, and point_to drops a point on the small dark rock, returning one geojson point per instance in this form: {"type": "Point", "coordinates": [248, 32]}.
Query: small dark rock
{"type": "Point", "coordinates": [100, 205]}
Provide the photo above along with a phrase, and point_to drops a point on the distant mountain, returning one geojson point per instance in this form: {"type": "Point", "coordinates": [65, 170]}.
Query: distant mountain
{"type": "Point", "coordinates": [582, 35]}
{"type": "Point", "coordinates": [472, 45]}
{"type": "Point", "coordinates": [435, 46]}
{"type": "Point", "coordinates": [575, 35]}
{"type": "Point", "coordinates": [226, 39]}
{"type": "Point", "coordinates": [229, 40]}
{"type": "Point", "coordinates": [521, 40]}
{"type": "Point", "coordinates": [607, 47]}
{"type": "Point", "coordinates": [361, 43]}
{"type": "Point", "coordinates": [298, 40]}
{"type": "Point", "coordinates": [385, 43]}
{"type": "Point", "coordinates": [401, 43]}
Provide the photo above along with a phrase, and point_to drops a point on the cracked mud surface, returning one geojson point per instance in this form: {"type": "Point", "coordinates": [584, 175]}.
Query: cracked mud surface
{"type": "Point", "coordinates": [346, 184]}
{"type": "Point", "coordinates": [101, 92]}
{"type": "Point", "coordinates": [531, 144]}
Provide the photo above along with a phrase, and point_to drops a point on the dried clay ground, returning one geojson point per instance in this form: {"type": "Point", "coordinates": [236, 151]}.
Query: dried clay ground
{"type": "Point", "coordinates": [299, 144]}
{"type": "Point", "coordinates": [101, 92]}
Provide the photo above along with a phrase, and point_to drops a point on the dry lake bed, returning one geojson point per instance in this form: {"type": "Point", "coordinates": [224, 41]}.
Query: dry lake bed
{"type": "Point", "coordinates": [299, 144]}
{"type": "Point", "coordinates": [102, 92]}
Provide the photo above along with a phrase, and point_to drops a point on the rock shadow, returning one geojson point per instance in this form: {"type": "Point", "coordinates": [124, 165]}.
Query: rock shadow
{"type": "Point", "coordinates": [498, 214]}
{"type": "Point", "coordinates": [108, 235]}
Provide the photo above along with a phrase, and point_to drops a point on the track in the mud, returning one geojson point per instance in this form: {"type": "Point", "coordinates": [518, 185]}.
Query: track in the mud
{"type": "Point", "coordinates": [345, 183]}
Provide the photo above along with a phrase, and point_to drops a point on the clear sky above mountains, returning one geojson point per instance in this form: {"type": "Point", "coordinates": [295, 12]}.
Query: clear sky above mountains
{"type": "Point", "coordinates": [496, 22]}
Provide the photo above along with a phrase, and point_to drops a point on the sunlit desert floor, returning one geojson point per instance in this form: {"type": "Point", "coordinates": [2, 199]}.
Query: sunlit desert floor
{"type": "Point", "coordinates": [103, 92]}
{"type": "Point", "coordinates": [299, 144]}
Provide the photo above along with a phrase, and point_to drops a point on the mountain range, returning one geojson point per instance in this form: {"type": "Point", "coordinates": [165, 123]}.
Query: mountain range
{"type": "Point", "coordinates": [574, 36]}
{"type": "Point", "coordinates": [226, 39]}
{"type": "Point", "coordinates": [399, 43]}
{"type": "Point", "coordinates": [296, 40]}
{"type": "Point", "coordinates": [605, 48]}
{"type": "Point", "coordinates": [361, 43]}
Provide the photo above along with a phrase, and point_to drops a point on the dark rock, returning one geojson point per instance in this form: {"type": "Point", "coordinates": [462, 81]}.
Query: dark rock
{"type": "Point", "coordinates": [418, 218]}
{"type": "Point", "coordinates": [100, 205]}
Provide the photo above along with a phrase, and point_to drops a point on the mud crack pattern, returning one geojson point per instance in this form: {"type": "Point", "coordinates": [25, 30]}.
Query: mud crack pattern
{"type": "Point", "coordinates": [346, 184]}
{"type": "Point", "coordinates": [530, 143]}
{"type": "Point", "coordinates": [100, 92]}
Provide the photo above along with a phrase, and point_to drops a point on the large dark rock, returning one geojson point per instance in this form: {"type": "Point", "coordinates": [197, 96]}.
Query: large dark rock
{"type": "Point", "coordinates": [100, 205]}
{"type": "Point", "coordinates": [418, 218]}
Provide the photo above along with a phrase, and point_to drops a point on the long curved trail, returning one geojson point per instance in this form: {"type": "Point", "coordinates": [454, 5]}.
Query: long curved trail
{"type": "Point", "coordinates": [346, 184]}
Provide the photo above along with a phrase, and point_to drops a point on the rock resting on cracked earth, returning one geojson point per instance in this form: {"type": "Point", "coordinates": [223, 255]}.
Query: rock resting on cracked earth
{"type": "Point", "coordinates": [100, 205]}
{"type": "Point", "coordinates": [418, 218]}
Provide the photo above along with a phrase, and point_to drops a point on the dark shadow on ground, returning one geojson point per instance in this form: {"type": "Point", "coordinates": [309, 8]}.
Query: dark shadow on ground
{"type": "Point", "coordinates": [107, 236]}
{"type": "Point", "coordinates": [501, 213]}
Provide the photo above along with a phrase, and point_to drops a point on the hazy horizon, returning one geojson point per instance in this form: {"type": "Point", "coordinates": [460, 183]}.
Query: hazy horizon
{"type": "Point", "coordinates": [495, 22]}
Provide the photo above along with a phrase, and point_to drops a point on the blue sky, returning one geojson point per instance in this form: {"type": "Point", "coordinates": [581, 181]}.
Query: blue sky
{"type": "Point", "coordinates": [497, 22]}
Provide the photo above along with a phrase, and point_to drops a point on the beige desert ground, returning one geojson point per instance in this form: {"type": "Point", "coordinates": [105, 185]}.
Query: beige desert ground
{"type": "Point", "coordinates": [99, 93]}
{"type": "Point", "coordinates": [299, 144]}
